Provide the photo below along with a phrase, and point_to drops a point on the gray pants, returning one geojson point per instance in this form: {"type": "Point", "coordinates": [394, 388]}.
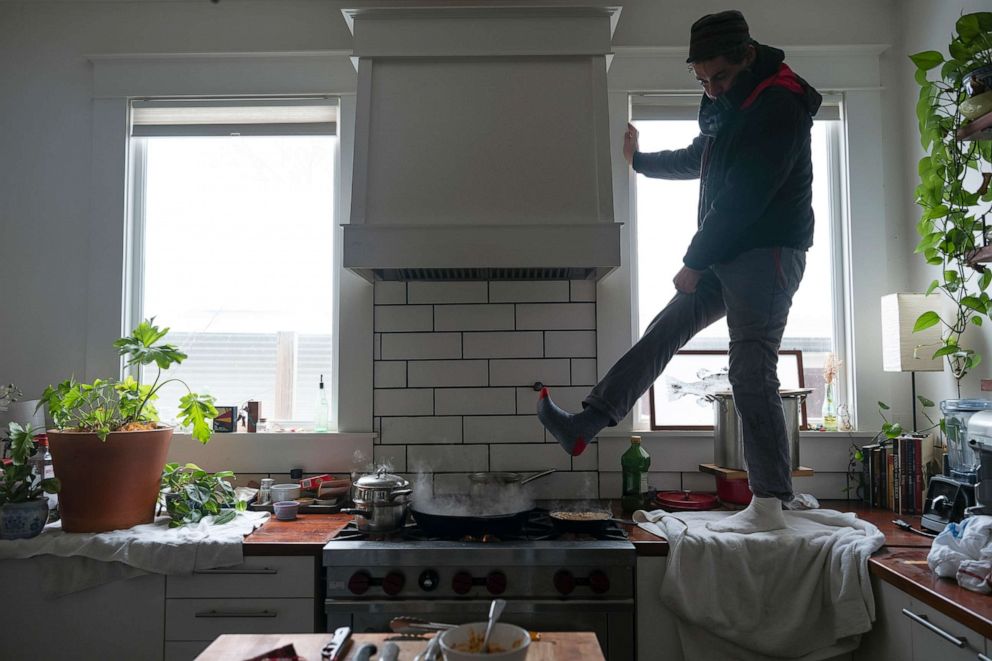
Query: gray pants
{"type": "Point", "coordinates": [754, 291]}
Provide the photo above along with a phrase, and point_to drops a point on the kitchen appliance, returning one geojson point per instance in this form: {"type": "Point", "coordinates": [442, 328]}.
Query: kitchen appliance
{"type": "Point", "coordinates": [551, 580]}
{"type": "Point", "coordinates": [946, 502]}
{"type": "Point", "coordinates": [501, 172]}
{"type": "Point", "coordinates": [962, 458]}
{"type": "Point", "coordinates": [381, 502]}
{"type": "Point", "coordinates": [728, 448]}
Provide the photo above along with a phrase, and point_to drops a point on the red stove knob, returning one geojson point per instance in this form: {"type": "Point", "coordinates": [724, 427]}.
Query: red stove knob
{"type": "Point", "coordinates": [359, 582]}
{"type": "Point", "coordinates": [496, 582]}
{"type": "Point", "coordinates": [599, 582]}
{"type": "Point", "coordinates": [564, 581]}
{"type": "Point", "coordinates": [461, 582]}
{"type": "Point", "coordinates": [393, 583]}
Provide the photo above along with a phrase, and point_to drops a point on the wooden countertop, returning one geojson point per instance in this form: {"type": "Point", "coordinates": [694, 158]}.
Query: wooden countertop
{"type": "Point", "coordinates": [901, 562]}
{"type": "Point", "coordinates": [553, 646]}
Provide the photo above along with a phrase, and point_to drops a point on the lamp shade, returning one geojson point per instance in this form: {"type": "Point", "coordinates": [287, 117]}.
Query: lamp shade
{"type": "Point", "coordinates": [902, 349]}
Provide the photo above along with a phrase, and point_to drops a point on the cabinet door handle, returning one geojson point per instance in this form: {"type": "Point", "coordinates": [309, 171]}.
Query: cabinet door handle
{"type": "Point", "coordinates": [957, 641]}
{"type": "Point", "coordinates": [217, 613]}
{"type": "Point", "coordinates": [982, 657]}
{"type": "Point", "coordinates": [246, 570]}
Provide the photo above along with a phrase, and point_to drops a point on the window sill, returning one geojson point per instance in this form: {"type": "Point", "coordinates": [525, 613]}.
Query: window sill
{"type": "Point", "coordinates": [275, 436]}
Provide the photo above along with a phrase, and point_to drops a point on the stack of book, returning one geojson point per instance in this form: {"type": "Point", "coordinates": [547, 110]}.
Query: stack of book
{"type": "Point", "coordinates": [893, 473]}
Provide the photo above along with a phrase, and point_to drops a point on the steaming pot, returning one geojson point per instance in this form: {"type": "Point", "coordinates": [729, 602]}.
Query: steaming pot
{"type": "Point", "coordinates": [381, 502]}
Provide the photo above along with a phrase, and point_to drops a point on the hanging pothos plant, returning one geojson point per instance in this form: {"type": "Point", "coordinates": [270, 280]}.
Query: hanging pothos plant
{"type": "Point", "coordinates": [953, 192]}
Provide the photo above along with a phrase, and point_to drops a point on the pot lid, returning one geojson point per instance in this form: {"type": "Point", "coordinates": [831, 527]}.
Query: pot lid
{"type": "Point", "coordinates": [381, 480]}
{"type": "Point", "coordinates": [686, 500]}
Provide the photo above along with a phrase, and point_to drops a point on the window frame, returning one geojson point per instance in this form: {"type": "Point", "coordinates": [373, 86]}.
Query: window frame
{"type": "Point", "coordinates": [660, 106]}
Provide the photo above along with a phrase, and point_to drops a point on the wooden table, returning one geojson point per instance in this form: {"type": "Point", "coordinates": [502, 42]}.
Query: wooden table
{"type": "Point", "coordinates": [553, 646]}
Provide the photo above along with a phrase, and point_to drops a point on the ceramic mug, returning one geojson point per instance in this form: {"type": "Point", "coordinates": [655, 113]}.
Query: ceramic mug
{"type": "Point", "coordinates": [286, 509]}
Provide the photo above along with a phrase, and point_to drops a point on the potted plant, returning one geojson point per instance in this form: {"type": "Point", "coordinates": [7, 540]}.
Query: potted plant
{"type": "Point", "coordinates": [953, 226]}
{"type": "Point", "coordinates": [108, 446]}
{"type": "Point", "coordinates": [23, 505]}
{"type": "Point", "coordinates": [192, 493]}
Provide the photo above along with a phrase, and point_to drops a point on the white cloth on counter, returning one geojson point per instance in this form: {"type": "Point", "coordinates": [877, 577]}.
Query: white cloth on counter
{"type": "Point", "coordinates": [963, 551]}
{"type": "Point", "coordinates": [799, 593]}
{"type": "Point", "coordinates": [77, 561]}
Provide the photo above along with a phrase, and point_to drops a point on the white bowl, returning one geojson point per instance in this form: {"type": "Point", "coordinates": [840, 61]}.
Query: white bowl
{"type": "Point", "coordinates": [508, 637]}
{"type": "Point", "coordinates": [285, 492]}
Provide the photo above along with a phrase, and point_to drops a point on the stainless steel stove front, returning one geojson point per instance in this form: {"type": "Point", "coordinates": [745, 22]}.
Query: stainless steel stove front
{"type": "Point", "coordinates": [551, 585]}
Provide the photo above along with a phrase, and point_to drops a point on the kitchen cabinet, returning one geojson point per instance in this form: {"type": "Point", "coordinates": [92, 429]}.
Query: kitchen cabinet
{"type": "Point", "coordinates": [906, 628]}
{"type": "Point", "coordinates": [657, 632]}
{"type": "Point", "coordinates": [118, 620]}
{"type": "Point", "coordinates": [936, 636]}
{"type": "Point", "coordinates": [890, 635]}
{"type": "Point", "coordinates": [264, 594]}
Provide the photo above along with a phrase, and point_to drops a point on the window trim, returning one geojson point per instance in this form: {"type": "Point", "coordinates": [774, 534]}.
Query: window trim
{"type": "Point", "coordinates": [663, 106]}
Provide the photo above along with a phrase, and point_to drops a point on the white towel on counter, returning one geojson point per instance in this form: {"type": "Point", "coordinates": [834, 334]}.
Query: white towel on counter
{"type": "Point", "coordinates": [77, 561]}
{"type": "Point", "coordinates": [798, 593]}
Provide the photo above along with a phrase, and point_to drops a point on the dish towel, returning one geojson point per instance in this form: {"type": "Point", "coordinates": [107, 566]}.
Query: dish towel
{"type": "Point", "coordinates": [77, 561]}
{"type": "Point", "coordinates": [798, 593]}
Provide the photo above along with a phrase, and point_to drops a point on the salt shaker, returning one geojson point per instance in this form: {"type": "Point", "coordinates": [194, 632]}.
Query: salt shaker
{"type": "Point", "coordinates": [265, 490]}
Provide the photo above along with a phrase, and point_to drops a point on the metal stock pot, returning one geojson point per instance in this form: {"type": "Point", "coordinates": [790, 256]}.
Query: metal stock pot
{"type": "Point", "coordinates": [381, 502]}
{"type": "Point", "coordinates": [728, 450]}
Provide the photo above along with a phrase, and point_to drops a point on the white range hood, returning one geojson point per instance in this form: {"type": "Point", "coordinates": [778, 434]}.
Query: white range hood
{"type": "Point", "coordinates": [482, 147]}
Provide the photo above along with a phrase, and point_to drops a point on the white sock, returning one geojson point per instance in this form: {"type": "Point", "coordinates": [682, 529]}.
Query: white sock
{"type": "Point", "coordinates": [762, 515]}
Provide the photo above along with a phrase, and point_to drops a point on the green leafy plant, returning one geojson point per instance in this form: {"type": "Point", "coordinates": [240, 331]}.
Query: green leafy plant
{"type": "Point", "coordinates": [192, 493]}
{"type": "Point", "coordinates": [20, 483]}
{"type": "Point", "coordinates": [954, 220]}
{"type": "Point", "coordinates": [106, 406]}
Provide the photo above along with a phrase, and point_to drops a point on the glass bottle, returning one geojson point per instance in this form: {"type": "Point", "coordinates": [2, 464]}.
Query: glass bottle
{"type": "Point", "coordinates": [829, 410]}
{"type": "Point", "coordinates": [634, 465]}
{"type": "Point", "coordinates": [41, 462]}
{"type": "Point", "coordinates": [320, 417]}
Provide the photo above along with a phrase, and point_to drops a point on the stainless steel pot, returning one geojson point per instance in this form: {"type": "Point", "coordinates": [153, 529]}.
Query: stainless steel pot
{"type": "Point", "coordinates": [500, 484]}
{"type": "Point", "coordinates": [728, 449]}
{"type": "Point", "coordinates": [382, 501]}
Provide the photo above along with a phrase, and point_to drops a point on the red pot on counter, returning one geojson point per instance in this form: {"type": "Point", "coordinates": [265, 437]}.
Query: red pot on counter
{"type": "Point", "coordinates": [733, 492]}
{"type": "Point", "coordinates": [685, 501]}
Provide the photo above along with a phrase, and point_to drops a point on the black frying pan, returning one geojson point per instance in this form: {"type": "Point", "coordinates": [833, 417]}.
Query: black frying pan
{"type": "Point", "coordinates": [456, 525]}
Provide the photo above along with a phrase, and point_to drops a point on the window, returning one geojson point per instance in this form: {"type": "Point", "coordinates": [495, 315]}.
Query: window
{"type": "Point", "coordinates": [232, 247]}
{"type": "Point", "coordinates": [666, 222]}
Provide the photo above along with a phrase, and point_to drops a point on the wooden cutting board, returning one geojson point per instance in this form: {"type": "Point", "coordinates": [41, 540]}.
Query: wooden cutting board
{"type": "Point", "coordinates": [554, 646]}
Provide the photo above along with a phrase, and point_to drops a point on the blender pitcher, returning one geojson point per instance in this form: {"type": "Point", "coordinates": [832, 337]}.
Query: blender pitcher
{"type": "Point", "coordinates": [963, 460]}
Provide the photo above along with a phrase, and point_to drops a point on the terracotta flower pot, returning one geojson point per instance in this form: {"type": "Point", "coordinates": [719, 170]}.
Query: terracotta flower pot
{"type": "Point", "coordinates": [108, 485]}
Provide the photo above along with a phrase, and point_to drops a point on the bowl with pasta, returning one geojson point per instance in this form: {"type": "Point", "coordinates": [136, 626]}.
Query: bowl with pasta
{"type": "Point", "coordinates": [508, 642]}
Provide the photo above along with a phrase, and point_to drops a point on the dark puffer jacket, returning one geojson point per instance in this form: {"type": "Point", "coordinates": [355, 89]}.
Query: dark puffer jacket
{"type": "Point", "coordinates": [753, 160]}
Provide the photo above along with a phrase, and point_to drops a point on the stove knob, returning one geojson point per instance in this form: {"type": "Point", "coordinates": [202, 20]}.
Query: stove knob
{"type": "Point", "coordinates": [461, 582]}
{"type": "Point", "coordinates": [599, 582]}
{"type": "Point", "coordinates": [564, 581]}
{"type": "Point", "coordinates": [393, 583]}
{"type": "Point", "coordinates": [359, 582]}
{"type": "Point", "coordinates": [428, 580]}
{"type": "Point", "coordinates": [496, 582]}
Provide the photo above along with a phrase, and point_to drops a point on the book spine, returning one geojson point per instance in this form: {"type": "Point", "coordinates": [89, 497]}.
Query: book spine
{"type": "Point", "coordinates": [918, 466]}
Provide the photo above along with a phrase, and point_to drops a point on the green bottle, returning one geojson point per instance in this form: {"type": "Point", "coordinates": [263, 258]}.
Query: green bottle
{"type": "Point", "coordinates": [634, 464]}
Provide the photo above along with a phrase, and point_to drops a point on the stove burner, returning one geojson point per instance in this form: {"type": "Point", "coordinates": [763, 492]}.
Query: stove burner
{"type": "Point", "coordinates": [538, 526]}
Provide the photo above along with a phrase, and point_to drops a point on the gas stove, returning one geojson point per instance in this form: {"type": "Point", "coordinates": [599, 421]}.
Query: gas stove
{"type": "Point", "coordinates": [552, 581]}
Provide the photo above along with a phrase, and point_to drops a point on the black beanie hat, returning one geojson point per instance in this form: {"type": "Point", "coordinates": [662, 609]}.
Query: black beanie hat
{"type": "Point", "coordinates": [716, 34]}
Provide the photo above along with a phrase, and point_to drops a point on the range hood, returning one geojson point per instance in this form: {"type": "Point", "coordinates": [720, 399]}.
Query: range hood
{"type": "Point", "coordinates": [482, 146]}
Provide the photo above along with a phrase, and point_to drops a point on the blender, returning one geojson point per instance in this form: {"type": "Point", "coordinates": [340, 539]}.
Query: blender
{"type": "Point", "coordinates": [952, 496]}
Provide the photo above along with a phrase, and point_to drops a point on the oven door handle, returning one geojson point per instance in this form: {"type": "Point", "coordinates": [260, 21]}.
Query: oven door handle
{"type": "Point", "coordinates": [392, 607]}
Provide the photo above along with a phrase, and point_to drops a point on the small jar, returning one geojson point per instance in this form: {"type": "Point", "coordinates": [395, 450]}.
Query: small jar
{"type": "Point", "coordinates": [265, 490]}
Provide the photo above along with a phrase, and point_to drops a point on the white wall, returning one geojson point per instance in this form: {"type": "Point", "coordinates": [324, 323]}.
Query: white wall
{"type": "Point", "coordinates": [928, 26]}
{"type": "Point", "coordinates": [46, 176]}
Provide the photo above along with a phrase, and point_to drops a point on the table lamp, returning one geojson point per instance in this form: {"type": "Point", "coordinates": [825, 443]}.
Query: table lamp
{"type": "Point", "coordinates": [902, 349]}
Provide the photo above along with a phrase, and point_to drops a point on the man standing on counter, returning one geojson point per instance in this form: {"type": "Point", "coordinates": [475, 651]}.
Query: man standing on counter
{"type": "Point", "coordinates": [745, 262]}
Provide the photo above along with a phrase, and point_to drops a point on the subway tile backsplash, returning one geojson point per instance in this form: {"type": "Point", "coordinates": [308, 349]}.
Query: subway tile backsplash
{"type": "Point", "coordinates": [453, 377]}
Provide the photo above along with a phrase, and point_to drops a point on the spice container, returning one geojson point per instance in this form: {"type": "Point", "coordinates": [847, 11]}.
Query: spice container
{"type": "Point", "coordinates": [265, 490]}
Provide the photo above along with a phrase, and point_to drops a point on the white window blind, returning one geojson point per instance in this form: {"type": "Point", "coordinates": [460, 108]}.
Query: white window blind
{"type": "Point", "coordinates": [205, 117]}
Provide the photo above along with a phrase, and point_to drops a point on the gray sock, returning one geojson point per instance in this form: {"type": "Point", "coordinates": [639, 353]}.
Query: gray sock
{"type": "Point", "coordinates": [573, 431]}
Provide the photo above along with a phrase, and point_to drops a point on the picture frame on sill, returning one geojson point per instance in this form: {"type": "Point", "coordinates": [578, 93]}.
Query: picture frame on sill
{"type": "Point", "coordinates": [678, 397]}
